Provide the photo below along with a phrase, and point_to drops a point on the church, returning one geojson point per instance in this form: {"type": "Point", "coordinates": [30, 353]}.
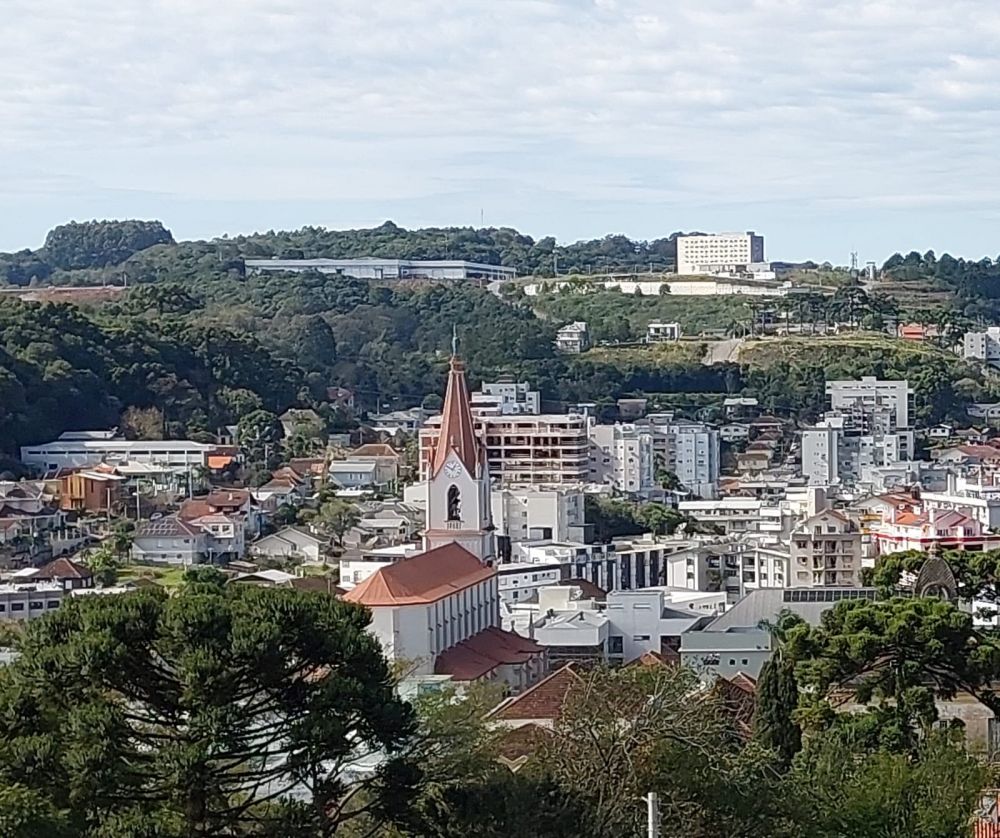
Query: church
{"type": "Point", "coordinates": [438, 613]}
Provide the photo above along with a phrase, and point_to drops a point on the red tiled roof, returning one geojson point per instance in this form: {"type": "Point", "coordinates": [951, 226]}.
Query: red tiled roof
{"type": "Point", "coordinates": [424, 578]}
{"type": "Point", "coordinates": [227, 498]}
{"type": "Point", "coordinates": [484, 652]}
{"type": "Point", "coordinates": [542, 701]}
{"type": "Point", "coordinates": [458, 431]}
{"type": "Point", "coordinates": [193, 508]}
{"type": "Point", "coordinates": [517, 743]}
{"type": "Point", "coordinates": [650, 658]}
{"type": "Point", "coordinates": [62, 568]}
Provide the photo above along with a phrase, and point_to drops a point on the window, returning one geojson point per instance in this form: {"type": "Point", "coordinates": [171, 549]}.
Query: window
{"type": "Point", "coordinates": [732, 661]}
{"type": "Point", "coordinates": [52, 603]}
{"type": "Point", "coordinates": [36, 605]}
{"type": "Point", "coordinates": [454, 504]}
{"type": "Point", "coordinates": [743, 662]}
{"type": "Point", "coordinates": [615, 644]}
{"type": "Point", "coordinates": [17, 606]}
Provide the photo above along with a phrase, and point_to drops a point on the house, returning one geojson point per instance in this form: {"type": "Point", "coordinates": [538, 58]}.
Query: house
{"type": "Point", "coordinates": [30, 601]}
{"type": "Point", "coordinates": [662, 332]}
{"type": "Point", "coordinates": [225, 536]}
{"type": "Point", "coordinates": [224, 456]}
{"type": "Point", "coordinates": [290, 543]}
{"type": "Point", "coordinates": [931, 529]}
{"type": "Point", "coordinates": [169, 541]}
{"type": "Point", "coordinates": [734, 432]}
{"type": "Point", "coordinates": [235, 504]}
{"type": "Point", "coordinates": [573, 338]}
{"type": "Point", "coordinates": [386, 459]}
{"type": "Point", "coordinates": [90, 491]}
{"type": "Point", "coordinates": [353, 475]}
{"type": "Point", "coordinates": [939, 432]}
{"type": "Point", "coordinates": [284, 487]}
{"type": "Point", "coordinates": [340, 397]}
{"type": "Point", "coordinates": [67, 573]}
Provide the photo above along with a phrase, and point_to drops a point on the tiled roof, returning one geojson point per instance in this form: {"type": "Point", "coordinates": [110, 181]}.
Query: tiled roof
{"type": "Point", "coordinates": [483, 652]}
{"type": "Point", "coordinates": [227, 498]}
{"type": "Point", "coordinates": [194, 508]}
{"type": "Point", "coordinates": [374, 449]}
{"type": "Point", "coordinates": [62, 568]}
{"type": "Point", "coordinates": [515, 745]}
{"type": "Point", "coordinates": [422, 579]}
{"type": "Point", "coordinates": [544, 700]}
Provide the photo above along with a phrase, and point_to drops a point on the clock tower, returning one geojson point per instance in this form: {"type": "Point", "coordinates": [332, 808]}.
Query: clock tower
{"type": "Point", "coordinates": [458, 490]}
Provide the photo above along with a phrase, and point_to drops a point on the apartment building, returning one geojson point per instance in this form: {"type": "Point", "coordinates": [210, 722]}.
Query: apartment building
{"type": "Point", "coordinates": [983, 346]}
{"type": "Point", "coordinates": [863, 402]}
{"type": "Point", "coordinates": [821, 451]}
{"type": "Point", "coordinates": [622, 456]}
{"type": "Point", "coordinates": [539, 513]}
{"type": "Point", "coordinates": [715, 252]}
{"type": "Point", "coordinates": [506, 397]}
{"type": "Point", "coordinates": [825, 552]}
{"type": "Point", "coordinates": [691, 450]}
{"type": "Point", "coordinates": [531, 449]}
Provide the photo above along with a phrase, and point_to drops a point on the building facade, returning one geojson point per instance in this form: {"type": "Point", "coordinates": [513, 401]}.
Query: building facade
{"type": "Point", "coordinates": [385, 269]}
{"type": "Point", "coordinates": [704, 254]}
{"type": "Point", "coordinates": [506, 398]}
{"type": "Point", "coordinates": [621, 456]}
{"type": "Point", "coordinates": [573, 338]}
{"type": "Point", "coordinates": [79, 453]}
{"type": "Point", "coordinates": [547, 449]}
{"type": "Point", "coordinates": [983, 346]}
{"type": "Point", "coordinates": [826, 552]}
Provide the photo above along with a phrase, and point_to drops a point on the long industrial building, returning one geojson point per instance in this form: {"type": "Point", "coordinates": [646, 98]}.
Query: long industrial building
{"type": "Point", "coordinates": [377, 269]}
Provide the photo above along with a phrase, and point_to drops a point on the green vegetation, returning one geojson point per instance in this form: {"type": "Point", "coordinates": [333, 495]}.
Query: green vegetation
{"type": "Point", "coordinates": [166, 577]}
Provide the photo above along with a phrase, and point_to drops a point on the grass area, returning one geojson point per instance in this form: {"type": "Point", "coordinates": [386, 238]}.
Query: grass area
{"type": "Point", "coordinates": [764, 352]}
{"type": "Point", "coordinates": [168, 577]}
{"type": "Point", "coordinates": [684, 352]}
{"type": "Point", "coordinates": [695, 314]}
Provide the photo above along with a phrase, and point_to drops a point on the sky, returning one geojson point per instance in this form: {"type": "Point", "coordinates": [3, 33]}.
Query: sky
{"type": "Point", "coordinates": [829, 126]}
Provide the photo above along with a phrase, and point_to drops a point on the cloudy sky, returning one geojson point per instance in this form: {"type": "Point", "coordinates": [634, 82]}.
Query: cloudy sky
{"type": "Point", "coordinates": [828, 125]}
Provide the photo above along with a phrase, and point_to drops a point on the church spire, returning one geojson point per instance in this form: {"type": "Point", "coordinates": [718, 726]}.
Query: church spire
{"type": "Point", "coordinates": [458, 430]}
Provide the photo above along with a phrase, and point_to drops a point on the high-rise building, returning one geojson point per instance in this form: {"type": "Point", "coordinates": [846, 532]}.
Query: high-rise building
{"type": "Point", "coordinates": [983, 346]}
{"type": "Point", "coordinates": [716, 252]}
{"type": "Point", "coordinates": [506, 397]}
{"type": "Point", "coordinates": [825, 552]}
{"type": "Point", "coordinates": [622, 456]}
{"type": "Point", "coordinates": [688, 449]}
{"type": "Point", "coordinates": [543, 449]}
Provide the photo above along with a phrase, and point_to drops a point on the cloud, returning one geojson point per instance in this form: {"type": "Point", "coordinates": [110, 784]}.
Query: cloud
{"type": "Point", "coordinates": [385, 104]}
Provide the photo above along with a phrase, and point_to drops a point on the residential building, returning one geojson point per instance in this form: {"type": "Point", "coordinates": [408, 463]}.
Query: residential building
{"type": "Point", "coordinates": [347, 474]}
{"type": "Point", "coordinates": [825, 552]}
{"type": "Point", "coordinates": [977, 498]}
{"type": "Point", "coordinates": [573, 338]}
{"type": "Point", "coordinates": [506, 397]}
{"type": "Point", "coordinates": [821, 446]}
{"type": "Point", "coordinates": [983, 346]}
{"type": "Point", "coordinates": [30, 601]}
{"type": "Point", "coordinates": [539, 513]}
{"type": "Point", "coordinates": [688, 449]}
{"type": "Point", "coordinates": [398, 421]}
{"type": "Point", "coordinates": [621, 456]}
{"type": "Point", "coordinates": [385, 269]}
{"type": "Point", "coordinates": [738, 641]}
{"type": "Point", "coordinates": [169, 541]}
{"type": "Point", "coordinates": [305, 421]}
{"type": "Point", "coordinates": [547, 449]}
{"type": "Point", "coordinates": [863, 400]}
{"type": "Point", "coordinates": [386, 459]}
{"type": "Point", "coordinates": [225, 536]}
{"type": "Point", "coordinates": [68, 574]}
{"type": "Point", "coordinates": [79, 453]}
{"type": "Point", "coordinates": [91, 492]}
{"type": "Point", "coordinates": [734, 433]}
{"type": "Point", "coordinates": [290, 543]}
{"type": "Point", "coordinates": [521, 581]}
{"type": "Point", "coordinates": [928, 530]}
{"type": "Point", "coordinates": [710, 253]}
{"type": "Point", "coordinates": [657, 332]}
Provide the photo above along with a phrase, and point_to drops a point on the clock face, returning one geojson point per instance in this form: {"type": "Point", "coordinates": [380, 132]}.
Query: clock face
{"type": "Point", "coordinates": [452, 469]}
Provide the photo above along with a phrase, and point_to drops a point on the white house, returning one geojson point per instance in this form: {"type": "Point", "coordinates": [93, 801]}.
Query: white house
{"type": "Point", "coordinates": [169, 541]}
{"type": "Point", "coordinates": [289, 543]}
{"type": "Point", "coordinates": [350, 474]}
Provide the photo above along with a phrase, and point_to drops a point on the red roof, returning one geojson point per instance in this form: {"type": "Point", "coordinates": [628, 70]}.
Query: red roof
{"type": "Point", "coordinates": [62, 568]}
{"type": "Point", "coordinates": [544, 700]}
{"type": "Point", "coordinates": [375, 449]}
{"type": "Point", "coordinates": [458, 431]}
{"type": "Point", "coordinates": [422, 579]}
{"type": "Point", "coordinates": [483, 652]}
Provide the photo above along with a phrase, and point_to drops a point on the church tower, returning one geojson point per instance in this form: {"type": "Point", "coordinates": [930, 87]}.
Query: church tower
{"type": "Point", "coordinates": [458, 490]}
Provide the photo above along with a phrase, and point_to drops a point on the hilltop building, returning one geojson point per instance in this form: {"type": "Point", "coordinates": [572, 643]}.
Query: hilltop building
{"type": "Point", "coordinates": [383, 269]}
{"type": "Point", "coordinates": [718, 252]}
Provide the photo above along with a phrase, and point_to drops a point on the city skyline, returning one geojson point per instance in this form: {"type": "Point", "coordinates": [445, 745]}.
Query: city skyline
{"type": "Point", "coordinates": [828, 127]}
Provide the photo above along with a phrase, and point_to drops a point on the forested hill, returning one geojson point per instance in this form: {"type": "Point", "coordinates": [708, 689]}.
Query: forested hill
{"type": "Point", "coordinates": [96, 252]}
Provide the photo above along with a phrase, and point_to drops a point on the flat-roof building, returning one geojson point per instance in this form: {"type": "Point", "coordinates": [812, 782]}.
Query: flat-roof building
{"type": "Point", "coordinates": [714, 252]}
{"type": "Point", "coordinates": [371, 268]}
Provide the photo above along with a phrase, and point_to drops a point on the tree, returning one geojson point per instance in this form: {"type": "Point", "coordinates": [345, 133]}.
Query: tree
{"type": "Point", "coordinates": [258, 434]}
{"type": "Point", "coordinates": [142, 423]}
{"type": "Point", "coordinates": [26, 814]}
{"type": "Point", "coordinates": [103, 563]}
{"type": "Point", "coordinates": [221, 710]}
{"type": "Point", "coordinates": [774, 724]}
{"type": "Point", "coordinates": [335, 517]}
{"type": "Point", "coordinates": [897, 655]}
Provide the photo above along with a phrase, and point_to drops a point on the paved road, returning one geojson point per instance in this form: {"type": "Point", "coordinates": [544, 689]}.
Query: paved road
{"type": "Point", "coordinates": [723, 351]}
